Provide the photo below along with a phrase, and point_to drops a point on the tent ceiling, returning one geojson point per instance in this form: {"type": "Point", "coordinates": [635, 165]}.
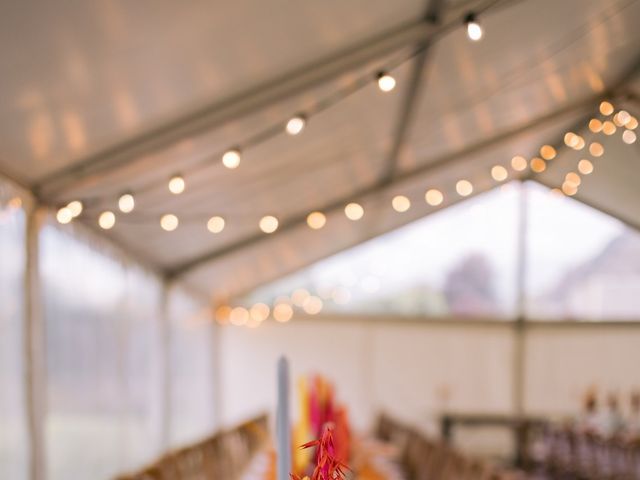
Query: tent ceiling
{"type": "Point", "coordinates": [108, 76]}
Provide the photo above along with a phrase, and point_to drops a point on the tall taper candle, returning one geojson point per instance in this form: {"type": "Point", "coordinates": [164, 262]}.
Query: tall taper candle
{"type": "Point", "coordinates": [283, 429]}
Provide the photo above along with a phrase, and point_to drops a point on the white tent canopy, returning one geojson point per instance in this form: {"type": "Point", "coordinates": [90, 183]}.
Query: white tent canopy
{"type": "Point", "coordinates": [109, 97]}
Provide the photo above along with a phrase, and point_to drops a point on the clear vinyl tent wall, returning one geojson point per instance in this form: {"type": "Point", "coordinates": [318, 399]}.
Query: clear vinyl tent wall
{"type": "Point", "coordinates": [103, 364]}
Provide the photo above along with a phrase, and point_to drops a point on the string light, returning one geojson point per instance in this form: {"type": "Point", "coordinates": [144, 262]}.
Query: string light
{"type": "Point", "coordinates": [499, 173]}
{"type": "Point", "coordinates": [176, 184]}
{"type": "Point", "coordinates": [282, 312]}
{"type": "Point", "coordinates": [595, 125]}
{"type": "Point", "coordinates": [239, 316]}
{"type": "Point", "coordinates": [623, 117]}
{"type": "Point", "coordinates": [268, 224]}
{"type": "Point", "coordinates": [606, 108]}
{"type": "Point", "coordinates": [400, 203]}
{"type": "Point", "coordinates": [608, 128]}
{"type": "Point", "coordinates": [629, 137]}
{"type": "Point", "coordinates": [585, 167]}
{"type": "Point", "coordinates": [538, 165]}
{"type": "Point", "coordinates": [464, 188]}
{"type": "Point", "coordinates": [569, 189]}
{"type": "Point", "coordinates": [571, 139]}
{"type": "Point", "coordinates": [231, 158]}
{"type": "Point", "coordinates": [548, 152]}
{"type": "Point", "coordinates": [474, 30]}
{"type": "Point", "coordinates": [64, 215]}
{"type": "Point", "coordinates": [312, 305]}
{"type": "Point", "coordinates": [519, 163]}
{"type": "Point", "coordinates": [126, 203]}
{"type": "Point", "coordinates": [632, 124]}
{"type": "Point", "coordinates": [169, 222]}
{"type": "Point", "coordinates": [354, 211]}
{"type": "Point", "coordinates": [572, 178]}
{"type": "Point", "coordinates": [316, 220]}
{"type": "Point", "coordinates": [259, 312]}
{"type": "Point", "coordinates": [75, 207]}
{"type": "Point", "coordinates": [386, 82]}
{"type": "Point", "coordinates": [596, 149]}
{"type": "Point", "coordinates": [434, 197]}
{"type": "Point", "coordinates": [107, 220]}
{"type": "Point", "coordinates": [223, 312]}
{"type": "Point", "coordinates": [215, 224]}
{"type": "Point", "coordinates": [299, 296]}
{"type": "Point", "coordinates": [296, 124]}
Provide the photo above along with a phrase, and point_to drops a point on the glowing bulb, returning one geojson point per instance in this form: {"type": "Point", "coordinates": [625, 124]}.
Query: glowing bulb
{"type": "Point", "coordinates": [474, 30]}
{"type": "Point", "coordinates": [499, 173]}
{"type": "Point", "coordinates": [176, 185]}
{"type": "Point", "coordinates": [572, 178]}
{"type": "Point", "coordinates": [64, 215]}
{"type": "Point", "coordinates": [608, 128]}
{"type": "Point", "coordinates": [215, 224]}
{"type": "Point", "coordinates": [595, 125]}
{"type": "Point", "coordinates": [223, 312]}
{"type": "Point", "coordinates": [518, 163]}
{"type": "Point", "coordinates": [239, 316]}
{"type": "Point", "coordinates": [629, 137]}
{"type": "Point", "coordinates": [606, 108]}
{"type": "Point", "coordinates": [571, 139]}
{"type": "Point", "coordinates": [75, 207]}
{"type": "Point", "coordinates": [354, 211]}
{"type": "Point", "coordinates": [434, 197]}
{"type": "Point", "coordinates": [231, 158]}
{"type": "Point", "coordinates": [548, 152]}
{"type": "Point", "coordinates": [585, 167]}
{"type": "Point", "coordinates": [282, 312]}
{"type": "Point", "coordinates": [632, 124]}
{"type": "Point", "coordinates": [316, 220]}
{"type": "Point", "coordinates": [569, 189]}
{"type": "Point", "coordinates": [400, 203]}
{"type": "Point", "coordinates": [126, 203]}
{"type": "Point", "coordinates": [259, 312]}
{"type": "Point", "coordinates": [538, 165]}
{"type": "Point", "coordinates": [386, 82]}
{"type": "Point", "coordinates": [312, 305]}
{"type": "Point", "coordinates": [596, 149]}
{"type": "Point", "coordinates": [299, 296]}
{"type": "Point", "coordinates": [295, 125]}
{"type": "Point", "coordinates": [169, 222]}
{"type": "Point", "coordinates": [107, 220]}
{"type": "Point", "coordinates": [464, 188]}
{"type": "Point", "coordinates": [268, 224]}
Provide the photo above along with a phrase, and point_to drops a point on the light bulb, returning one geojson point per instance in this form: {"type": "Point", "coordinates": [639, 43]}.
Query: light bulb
{"type": "Point", "coordinates": [400, 203]}
{"type": "Point", "coordinates": [548, 152]}
{"type": "Point", "coordinates": [239, 316]}
{"type": "Point", "coordinates": [386, 82]}
{"type": "Point", "coordinates": [474, 30]}
{"type": "Point", "coordinates": [606, 108]}
{"type": "Point", "coordinates": [169, 222]}
{"type": "Point", "coordinates": [282, 312]}
{"type": "Point", "coordinates": [126, 203]}
{"type": "Point", "coordinates": [64, 215]}
{"type": "Point", "coordinates": [434, 197]}
{"type": "Point", "coordinates": [585, 167]}
{"type": "Point", "coordinates": [215, 224]}
{"type": "Point", "coordinates": [464, 188]}
{"type": "Point", "coordinates": [268, 224]}
{"type": "Point", "coordinates": [518, 163]}
{"type": "Point", "coordinates": [596, 149]}
{"type": "Point", "coordinates": [629, 137]}
{"type": "Point", "coordinates": [499, 173]}
{"type": "Point", "coordinates": [107, 220]}
{"type": "Point", "coordinates": [176, 185]}
{"type": "Point", "coordinates": [316, 220]}
{"type": "Point", "coordinates": [296, 124]}
{"type": "Point", "coordinates": [231, 158]}
{"type": "Point", "coordinates": [538, 165]}
{"type": "Point", "coordinates": [75, 207]}
{"type": "Point", "coordinates": [354, 211]}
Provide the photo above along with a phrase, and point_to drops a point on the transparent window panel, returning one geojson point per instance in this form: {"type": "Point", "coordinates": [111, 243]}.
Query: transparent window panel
{"type": "Point", "coordinates": [14, 456]}
{"type": "Point", "coordinates": [191, 369]}
{"type": "Point", "coordinates": [582, 264]}
{"type": "Point", "coordinates": [460, 261]}
{"type": "Point", "coordinates": [102, 343]}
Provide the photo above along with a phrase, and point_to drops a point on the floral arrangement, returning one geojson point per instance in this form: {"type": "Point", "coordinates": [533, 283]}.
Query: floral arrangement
{"type": "Point", "coordinates": [328, 466]}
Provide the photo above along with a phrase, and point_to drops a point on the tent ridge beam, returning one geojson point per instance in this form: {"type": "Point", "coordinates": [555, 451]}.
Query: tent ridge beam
{"type": "Point", "coordinates": [412, 94]}
{"type": "Point", "coordinates": [425, 168]}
